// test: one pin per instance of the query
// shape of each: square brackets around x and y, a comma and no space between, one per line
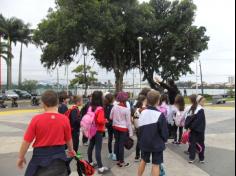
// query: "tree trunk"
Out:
[119,80]
[20,66]
[0,66]
[9,69]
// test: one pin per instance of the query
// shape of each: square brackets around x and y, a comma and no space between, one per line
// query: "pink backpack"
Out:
[179,119]
[88,123]
[163,109]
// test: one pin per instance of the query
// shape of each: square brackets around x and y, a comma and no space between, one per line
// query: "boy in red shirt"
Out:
[49,133]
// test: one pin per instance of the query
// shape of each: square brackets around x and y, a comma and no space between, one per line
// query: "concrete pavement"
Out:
[220,141]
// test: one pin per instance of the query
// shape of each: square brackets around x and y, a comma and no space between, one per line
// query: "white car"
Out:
[10,94]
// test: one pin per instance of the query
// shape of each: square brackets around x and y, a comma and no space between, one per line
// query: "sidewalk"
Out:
[174,166]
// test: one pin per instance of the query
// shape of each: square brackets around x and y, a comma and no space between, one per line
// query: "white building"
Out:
[231,80]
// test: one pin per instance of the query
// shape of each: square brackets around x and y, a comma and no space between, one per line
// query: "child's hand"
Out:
[71,153]
[21,162]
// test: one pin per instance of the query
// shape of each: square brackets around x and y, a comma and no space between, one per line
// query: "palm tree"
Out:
[10,29]
[25,39]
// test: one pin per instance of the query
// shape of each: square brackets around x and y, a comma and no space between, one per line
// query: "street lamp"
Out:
[140,39]
[196,59]
[85,72]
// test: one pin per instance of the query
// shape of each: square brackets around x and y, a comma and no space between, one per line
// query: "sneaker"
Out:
[86,144]
[123,165]
[174,142]
[110,156]
[186,152]
[103,170]
[93,164]
[202,162]
[137,159]
[191,161]
[114,158]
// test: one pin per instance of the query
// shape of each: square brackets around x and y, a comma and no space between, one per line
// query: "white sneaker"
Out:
[114,158]
[103,170]
[86,144]
[110,156]
[202,162]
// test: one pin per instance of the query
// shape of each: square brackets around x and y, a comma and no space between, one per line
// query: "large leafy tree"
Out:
[171,41]
[110,29]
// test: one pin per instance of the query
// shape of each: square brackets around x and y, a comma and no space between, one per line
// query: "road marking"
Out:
[220,108]
[20,111]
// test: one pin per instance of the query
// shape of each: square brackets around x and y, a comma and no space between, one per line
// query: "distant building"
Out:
[231,80]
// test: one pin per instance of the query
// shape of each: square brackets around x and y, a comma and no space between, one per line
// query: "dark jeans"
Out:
[138,150]
[75,138]
[96,142]
[177,129]
[171,131]
[110,138]
[194,139]
[121,138]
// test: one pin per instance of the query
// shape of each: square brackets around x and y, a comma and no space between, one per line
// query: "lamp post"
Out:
[85,72]
[197,57]
[140,39]
[202,86]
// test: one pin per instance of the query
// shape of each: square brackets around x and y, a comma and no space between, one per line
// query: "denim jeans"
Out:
[96,142]
[110,138]
[121,138]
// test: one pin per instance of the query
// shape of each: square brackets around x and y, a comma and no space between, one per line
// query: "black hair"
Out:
[97,100]
[62,96]
[140,101]
[109,98]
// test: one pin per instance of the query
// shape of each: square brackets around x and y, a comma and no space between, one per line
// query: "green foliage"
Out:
[29,85]
[231,93]
[4,51]
[80,78]
[110,29]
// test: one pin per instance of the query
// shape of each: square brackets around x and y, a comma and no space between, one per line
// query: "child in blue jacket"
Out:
[153,134]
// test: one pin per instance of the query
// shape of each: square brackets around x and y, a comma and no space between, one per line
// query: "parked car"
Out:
[22,94]
[218,99]
[10,94]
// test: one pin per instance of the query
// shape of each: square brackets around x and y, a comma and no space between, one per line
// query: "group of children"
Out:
[58,129]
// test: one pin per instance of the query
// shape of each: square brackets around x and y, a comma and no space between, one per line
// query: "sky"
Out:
[218,62]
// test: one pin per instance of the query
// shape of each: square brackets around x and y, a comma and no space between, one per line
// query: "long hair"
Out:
[179,100]
[193,100]
[164,98]
[97,100]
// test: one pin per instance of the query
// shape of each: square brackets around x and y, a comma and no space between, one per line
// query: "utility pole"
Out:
[57,80]
[85,72]
[133,83]
[140,39]
[197,75]
[200,65]
[67,78]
